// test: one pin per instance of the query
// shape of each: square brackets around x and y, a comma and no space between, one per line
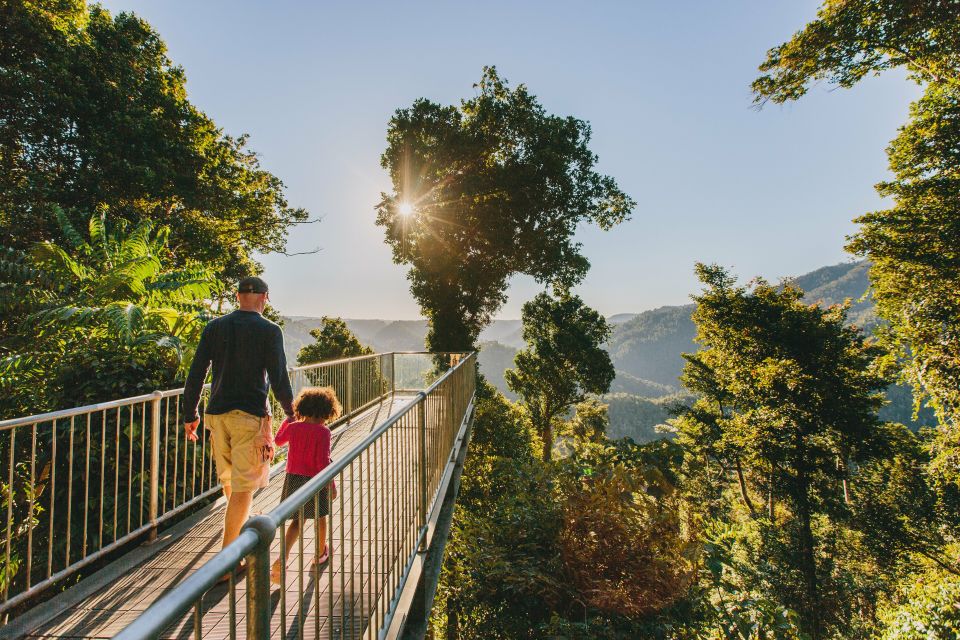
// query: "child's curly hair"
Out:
[317,404]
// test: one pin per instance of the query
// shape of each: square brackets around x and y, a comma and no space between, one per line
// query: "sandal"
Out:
[276,573]
[322,560]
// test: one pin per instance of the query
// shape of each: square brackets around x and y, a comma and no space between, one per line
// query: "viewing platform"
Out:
[396,455]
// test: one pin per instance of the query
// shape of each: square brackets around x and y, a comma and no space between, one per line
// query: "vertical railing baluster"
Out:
[129,467]
[33,491]
[10,498]
[349,393]
[69,496]
[53,496]
[422,459]
[86,491]
[143,460]
[259,610]
[154,463]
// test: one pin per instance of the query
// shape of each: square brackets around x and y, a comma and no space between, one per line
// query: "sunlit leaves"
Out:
[112,289]
[851,39]
[332,339]
[498,187]
[95,115]
[563,362]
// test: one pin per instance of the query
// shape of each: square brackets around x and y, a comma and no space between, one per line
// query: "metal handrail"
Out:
[413,446]
[101,475]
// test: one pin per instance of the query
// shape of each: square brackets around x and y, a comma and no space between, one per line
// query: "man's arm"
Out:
[277,372]
[194,384]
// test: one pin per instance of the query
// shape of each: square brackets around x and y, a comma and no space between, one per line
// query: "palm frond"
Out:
[98,235]
[168,317]
[137,243]
[127,280]
[125,318]
[15,269]
[73,237]
[55,261]
[63,316]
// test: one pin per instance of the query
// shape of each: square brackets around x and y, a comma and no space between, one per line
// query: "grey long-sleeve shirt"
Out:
[245,350]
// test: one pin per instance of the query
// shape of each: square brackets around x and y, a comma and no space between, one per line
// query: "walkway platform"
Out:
[104,603]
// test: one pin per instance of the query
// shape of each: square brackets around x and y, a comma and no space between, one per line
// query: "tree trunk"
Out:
[743,490]
[808,563]
[547,433]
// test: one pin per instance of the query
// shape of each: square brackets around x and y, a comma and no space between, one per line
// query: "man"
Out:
[246,350]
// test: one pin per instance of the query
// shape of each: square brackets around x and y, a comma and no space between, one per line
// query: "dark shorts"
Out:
[292,482]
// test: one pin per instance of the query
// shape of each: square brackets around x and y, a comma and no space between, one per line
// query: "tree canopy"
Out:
[916,264]
[851,39]
[788,406]
[485,190]
[915,270]
[563,362]
[94,114]
[332,340]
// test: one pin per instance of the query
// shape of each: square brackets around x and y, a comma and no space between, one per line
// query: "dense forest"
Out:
[778,499]
[646,350]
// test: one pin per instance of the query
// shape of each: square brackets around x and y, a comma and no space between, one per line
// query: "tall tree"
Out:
[915,262]
[793,390]
[563,362]
[915,268]
[93,113]
[484,191]
[332,339]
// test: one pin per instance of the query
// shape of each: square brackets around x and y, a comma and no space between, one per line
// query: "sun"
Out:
[405,209]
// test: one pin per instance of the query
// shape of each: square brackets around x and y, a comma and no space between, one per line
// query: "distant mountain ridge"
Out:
[645,347]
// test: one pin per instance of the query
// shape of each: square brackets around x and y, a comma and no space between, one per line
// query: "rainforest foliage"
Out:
[786,505]
[795,511]
[125,212]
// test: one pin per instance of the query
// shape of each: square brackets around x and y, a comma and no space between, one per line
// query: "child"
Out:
[307,455]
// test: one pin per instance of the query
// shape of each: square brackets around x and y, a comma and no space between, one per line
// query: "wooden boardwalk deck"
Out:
[106,602]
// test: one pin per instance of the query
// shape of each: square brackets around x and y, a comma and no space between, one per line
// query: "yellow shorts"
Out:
[239,463]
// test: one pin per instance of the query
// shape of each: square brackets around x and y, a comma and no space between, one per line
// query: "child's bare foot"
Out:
[276,572]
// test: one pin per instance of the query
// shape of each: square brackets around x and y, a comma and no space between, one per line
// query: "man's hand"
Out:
[191,429]
[264,440]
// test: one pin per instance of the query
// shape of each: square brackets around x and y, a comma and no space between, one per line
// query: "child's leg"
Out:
[293,532]
[290,539]
[322,533]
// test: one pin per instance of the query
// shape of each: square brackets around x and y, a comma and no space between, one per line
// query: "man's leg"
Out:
[238,509]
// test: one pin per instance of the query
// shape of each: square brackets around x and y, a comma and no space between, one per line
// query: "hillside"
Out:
[645,348]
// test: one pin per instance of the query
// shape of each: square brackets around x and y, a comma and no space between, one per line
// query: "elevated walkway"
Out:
[393,462]
[105,603]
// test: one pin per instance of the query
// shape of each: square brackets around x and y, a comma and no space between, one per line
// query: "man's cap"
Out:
[252,284]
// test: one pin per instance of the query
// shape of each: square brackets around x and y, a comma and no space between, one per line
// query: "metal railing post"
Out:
[422,428]
[393,372]
[154,463]
[349,393]
[259,609]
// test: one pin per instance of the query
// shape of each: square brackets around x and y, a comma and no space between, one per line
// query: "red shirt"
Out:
[309,450]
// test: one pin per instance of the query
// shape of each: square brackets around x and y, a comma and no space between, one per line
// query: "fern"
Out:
[74,239]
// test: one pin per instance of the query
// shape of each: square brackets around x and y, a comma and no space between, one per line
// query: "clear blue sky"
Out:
[665,86]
